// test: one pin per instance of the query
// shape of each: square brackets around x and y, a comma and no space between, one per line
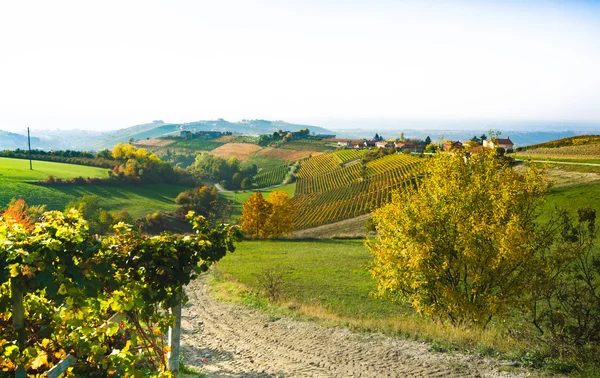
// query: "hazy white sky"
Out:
[111,64]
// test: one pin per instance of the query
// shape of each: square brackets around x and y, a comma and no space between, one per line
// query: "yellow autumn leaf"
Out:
[40,361]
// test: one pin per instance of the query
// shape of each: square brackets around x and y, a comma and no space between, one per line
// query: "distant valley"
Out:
[85,140]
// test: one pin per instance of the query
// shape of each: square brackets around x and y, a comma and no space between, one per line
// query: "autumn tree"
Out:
[280,221]
[461,246]
[268,218]
[18,212]
[255,214]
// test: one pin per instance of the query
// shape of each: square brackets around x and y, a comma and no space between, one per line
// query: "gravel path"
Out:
[228,340]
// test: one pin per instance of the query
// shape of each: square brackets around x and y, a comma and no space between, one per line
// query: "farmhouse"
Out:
[344,143]
[450,145]
[505,143]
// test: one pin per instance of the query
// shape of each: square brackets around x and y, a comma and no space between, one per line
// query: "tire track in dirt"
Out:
[228,340]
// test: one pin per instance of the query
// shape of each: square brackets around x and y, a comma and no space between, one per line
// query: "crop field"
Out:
[263,162]
[345,156]
[585,151]
[154,142]
[236,139]
[241,151]
[198,144]
[307,145]
[271,176]
[285,155]
[327,192]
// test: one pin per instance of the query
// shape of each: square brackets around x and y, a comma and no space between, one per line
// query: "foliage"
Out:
[100,221]
[280,221]
[72,282]
[565,300]
[100,159]
[269,218]
[219,169]
[204,200]
[255,215]
[460,247]
[137,165]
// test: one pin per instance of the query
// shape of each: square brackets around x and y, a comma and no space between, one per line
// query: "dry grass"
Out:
[241,151]
[287,155]
[154,142]
[349,228]
[225,138]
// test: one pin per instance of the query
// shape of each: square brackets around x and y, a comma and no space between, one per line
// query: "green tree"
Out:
[461,246]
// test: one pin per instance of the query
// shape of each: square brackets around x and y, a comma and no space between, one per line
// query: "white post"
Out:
[174,339]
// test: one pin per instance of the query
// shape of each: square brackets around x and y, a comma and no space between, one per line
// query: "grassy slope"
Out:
[18,169]
[573,197]
[329,273]
[16,181]
[137,200]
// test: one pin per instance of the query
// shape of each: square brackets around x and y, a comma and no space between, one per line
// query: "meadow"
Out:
[17,181]
[18,169]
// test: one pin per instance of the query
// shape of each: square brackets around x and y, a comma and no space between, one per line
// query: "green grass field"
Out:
[573,197]
[18,170]
[197,144]
[328,273]
[136,200]
[240,197]
[17,181]
[263,162]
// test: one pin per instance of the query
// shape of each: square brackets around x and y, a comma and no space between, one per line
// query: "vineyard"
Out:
[271,176]
[328,191]
[197,144]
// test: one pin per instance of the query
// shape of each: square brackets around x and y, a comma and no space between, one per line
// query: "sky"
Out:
[104,65]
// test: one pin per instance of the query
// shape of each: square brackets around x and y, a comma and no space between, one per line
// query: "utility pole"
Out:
[29,144]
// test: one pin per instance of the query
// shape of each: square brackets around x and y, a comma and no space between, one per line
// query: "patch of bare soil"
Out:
[228,340]
[241,151]
[154,142]
[349,228]
[287,155]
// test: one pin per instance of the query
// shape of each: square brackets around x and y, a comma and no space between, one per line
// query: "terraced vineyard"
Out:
[271,176]
[327,191]
[345,156]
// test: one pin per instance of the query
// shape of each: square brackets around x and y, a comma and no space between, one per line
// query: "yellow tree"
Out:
[255,215]
[462,245]
[280,221]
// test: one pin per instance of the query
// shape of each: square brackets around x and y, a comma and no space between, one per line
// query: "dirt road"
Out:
[228,340]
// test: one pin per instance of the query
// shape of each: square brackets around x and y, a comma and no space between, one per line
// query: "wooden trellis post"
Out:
[175,338]
[18,320]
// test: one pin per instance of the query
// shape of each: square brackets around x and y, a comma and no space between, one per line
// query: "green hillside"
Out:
[18,169]
[17,181]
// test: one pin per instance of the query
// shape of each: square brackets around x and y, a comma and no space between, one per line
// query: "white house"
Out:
[505,143]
